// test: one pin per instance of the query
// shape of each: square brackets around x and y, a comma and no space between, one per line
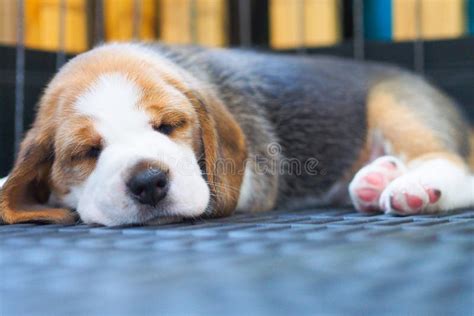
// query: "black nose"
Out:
[148,186]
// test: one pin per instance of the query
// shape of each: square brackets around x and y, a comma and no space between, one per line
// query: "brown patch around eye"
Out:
[78,141]
[79,153]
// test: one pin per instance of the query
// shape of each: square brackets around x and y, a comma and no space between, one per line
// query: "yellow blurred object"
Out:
[43,25]
[285,29]
[439,19]
[175,21]
[322,22]
[120,16]
[211,22]
[178,26]
[321,27]
[8,15]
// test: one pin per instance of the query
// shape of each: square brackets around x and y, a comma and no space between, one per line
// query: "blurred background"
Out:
[432,37]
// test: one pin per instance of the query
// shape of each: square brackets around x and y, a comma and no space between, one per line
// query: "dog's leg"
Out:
[433,183]
[421,127]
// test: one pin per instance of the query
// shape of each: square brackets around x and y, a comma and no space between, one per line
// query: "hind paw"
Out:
[407,196]
[369,183]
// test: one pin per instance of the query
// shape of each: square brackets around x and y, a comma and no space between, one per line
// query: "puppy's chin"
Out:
[149,218]
[111,212]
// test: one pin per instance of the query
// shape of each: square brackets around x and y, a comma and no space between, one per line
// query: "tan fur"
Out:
[19,201]
[47,156]
[225,152]
[406,134]
[396,122]
[397,125]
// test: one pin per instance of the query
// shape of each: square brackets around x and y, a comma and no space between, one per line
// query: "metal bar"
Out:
[359,38]
[61,55]
[418,44]
[193,25]
[99,22]
[137,18]
[19,76]
[245,23]
[301,27]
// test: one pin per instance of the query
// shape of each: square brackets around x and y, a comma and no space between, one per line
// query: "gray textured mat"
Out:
[305,262]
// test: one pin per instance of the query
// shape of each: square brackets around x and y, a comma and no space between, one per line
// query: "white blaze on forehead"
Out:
[112,101]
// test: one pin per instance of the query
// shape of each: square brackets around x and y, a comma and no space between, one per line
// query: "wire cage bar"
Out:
[358,17]
[19,76]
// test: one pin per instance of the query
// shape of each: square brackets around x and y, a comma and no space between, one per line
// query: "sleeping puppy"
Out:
[128,133]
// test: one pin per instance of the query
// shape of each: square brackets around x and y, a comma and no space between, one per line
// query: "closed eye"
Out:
[93,152]
[166,129]
[89,153]
[169,127]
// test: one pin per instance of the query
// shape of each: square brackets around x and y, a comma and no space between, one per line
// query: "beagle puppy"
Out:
[130,133]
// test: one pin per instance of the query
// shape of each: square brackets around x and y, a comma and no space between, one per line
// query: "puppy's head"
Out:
[124,136]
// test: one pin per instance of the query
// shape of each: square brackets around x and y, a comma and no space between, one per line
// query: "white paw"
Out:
[370,181]
[407,195]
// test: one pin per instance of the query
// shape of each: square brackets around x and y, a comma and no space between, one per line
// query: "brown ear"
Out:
[225,153]
[24,194]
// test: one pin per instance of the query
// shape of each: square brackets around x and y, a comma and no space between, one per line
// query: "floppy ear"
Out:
[224,149]
[24,194]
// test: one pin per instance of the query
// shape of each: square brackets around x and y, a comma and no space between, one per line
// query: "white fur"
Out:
[112,103]
[455,183]
[2,181]
[246,190]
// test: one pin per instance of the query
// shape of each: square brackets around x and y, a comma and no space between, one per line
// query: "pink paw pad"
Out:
[409,203]
[400,205]
[413,201]
[367,195]
[369,190]
[371,181]
[396,205]
[375,179]
[434,195]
